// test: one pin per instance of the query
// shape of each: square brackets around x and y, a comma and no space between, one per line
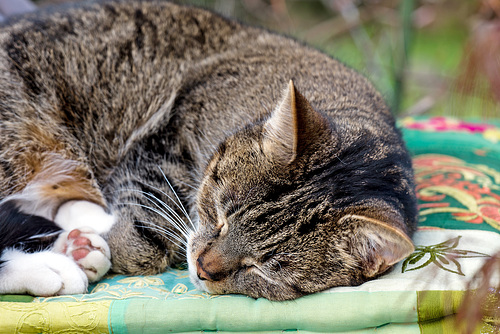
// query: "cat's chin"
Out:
[199,284]
[193,276]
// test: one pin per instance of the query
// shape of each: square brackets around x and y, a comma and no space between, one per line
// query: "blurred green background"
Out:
[428,57]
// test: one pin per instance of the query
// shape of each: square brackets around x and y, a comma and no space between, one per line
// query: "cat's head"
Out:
[277,215]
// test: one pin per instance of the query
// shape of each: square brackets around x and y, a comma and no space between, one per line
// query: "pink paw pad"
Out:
[88,250]
[81,244]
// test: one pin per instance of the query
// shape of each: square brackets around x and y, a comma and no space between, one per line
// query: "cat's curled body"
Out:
[291,193]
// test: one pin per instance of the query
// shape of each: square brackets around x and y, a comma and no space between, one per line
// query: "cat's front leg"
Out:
[79,254]
[44,273]
[84,222]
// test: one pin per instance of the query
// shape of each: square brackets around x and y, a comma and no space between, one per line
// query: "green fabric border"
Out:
[16,298]
[325,312]
[386,329]
[437,309]
[438,304]
[460,144]
[117,311]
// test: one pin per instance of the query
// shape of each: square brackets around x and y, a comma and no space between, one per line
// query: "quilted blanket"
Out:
[457,169]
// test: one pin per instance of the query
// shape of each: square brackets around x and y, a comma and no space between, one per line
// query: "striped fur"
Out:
[183,127]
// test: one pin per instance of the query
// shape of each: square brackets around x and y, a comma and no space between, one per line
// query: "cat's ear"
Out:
[293,126]
[379,244]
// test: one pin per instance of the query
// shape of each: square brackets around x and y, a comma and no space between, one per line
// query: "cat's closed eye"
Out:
[298,202]
[269,165]
[231,209]
[267,256]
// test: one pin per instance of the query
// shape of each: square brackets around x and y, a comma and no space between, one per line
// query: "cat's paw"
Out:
[88,249]
[40,274]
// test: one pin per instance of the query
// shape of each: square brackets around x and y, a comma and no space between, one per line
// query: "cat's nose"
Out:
[202,274]
[209,269]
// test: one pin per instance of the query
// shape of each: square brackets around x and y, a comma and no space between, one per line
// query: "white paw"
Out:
[89,250]
[77,214]
[41,274]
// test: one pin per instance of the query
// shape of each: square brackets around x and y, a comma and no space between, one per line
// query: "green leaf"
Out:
[458,267]
[442,259]
[444,255]
[431,259]
[462,253]
[412,259]
[448,244]
[416,257]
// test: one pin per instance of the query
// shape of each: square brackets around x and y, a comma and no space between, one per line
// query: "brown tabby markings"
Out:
[264,247]
[293,195]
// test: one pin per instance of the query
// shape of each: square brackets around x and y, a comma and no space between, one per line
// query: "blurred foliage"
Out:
[425,56]
[428,57]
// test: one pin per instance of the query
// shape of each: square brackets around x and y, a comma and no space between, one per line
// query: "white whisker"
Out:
[179,201]
[180,207]
[175,219]
[182,225]
[166,217]
[165,233]
[188,185]
[162,229]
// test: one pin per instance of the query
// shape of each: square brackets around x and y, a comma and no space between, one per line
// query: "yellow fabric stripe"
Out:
[434,305]
[74,317]
[437,311]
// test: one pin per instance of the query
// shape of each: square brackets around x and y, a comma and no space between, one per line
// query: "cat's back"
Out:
[110,21]
[104,43]
[102,69]
[107,46]
[115,70]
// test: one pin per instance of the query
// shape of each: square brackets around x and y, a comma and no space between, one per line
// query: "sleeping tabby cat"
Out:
[288,163]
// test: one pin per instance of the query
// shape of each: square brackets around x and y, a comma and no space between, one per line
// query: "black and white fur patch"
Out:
[36,254]
[25,232]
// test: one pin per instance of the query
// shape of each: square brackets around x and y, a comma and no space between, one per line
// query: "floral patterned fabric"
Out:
[469,192]
[489,131]
[457,171]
